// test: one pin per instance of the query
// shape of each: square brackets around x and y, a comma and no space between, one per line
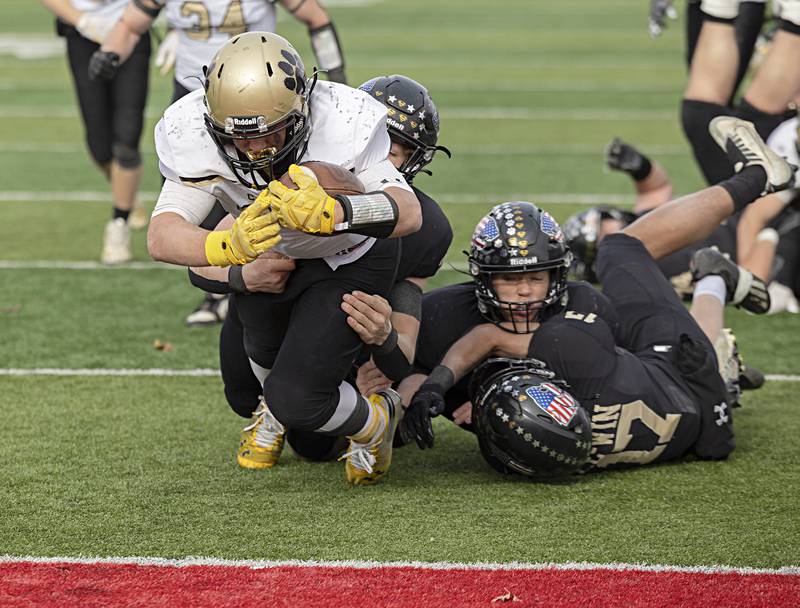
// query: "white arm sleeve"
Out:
[191,204]
[382,175]
[372,164]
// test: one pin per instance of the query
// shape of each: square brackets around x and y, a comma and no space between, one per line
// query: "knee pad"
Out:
[295,406]
[695,117]
[764,122]
[720,10]
[126,157]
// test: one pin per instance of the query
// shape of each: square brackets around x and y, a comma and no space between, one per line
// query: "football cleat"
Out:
[730,364]
[742,289]
[261,441]
[745,148]
[367,462]
[623,157]
[116,242]
[211,310]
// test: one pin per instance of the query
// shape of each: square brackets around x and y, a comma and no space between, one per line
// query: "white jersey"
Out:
[204,26]
[348,128]
[113,9]
[784,140]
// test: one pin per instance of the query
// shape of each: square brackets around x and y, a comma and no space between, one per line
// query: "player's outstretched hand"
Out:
[416,423]
[308,208]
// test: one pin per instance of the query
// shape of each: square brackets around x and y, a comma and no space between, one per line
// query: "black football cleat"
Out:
[743,290]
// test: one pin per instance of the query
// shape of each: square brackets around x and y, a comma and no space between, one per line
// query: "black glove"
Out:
[660,10]
[427,403]
[103,65]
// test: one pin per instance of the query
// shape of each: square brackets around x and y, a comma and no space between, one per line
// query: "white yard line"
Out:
[365,565]
[51,371]
[546,198]
[533,114]
[466,150]
[83,265]
[203,372]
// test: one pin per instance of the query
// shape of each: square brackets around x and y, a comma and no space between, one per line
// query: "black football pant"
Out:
[112,111]
[302,335]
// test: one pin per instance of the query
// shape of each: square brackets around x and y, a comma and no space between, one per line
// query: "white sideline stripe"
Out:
[465,198]
[468,150]
[365,565]
[47,371]
[83,265]
[544,114]
[196,372]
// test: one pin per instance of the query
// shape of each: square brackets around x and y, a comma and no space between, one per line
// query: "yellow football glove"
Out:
[255,231]
[307,209]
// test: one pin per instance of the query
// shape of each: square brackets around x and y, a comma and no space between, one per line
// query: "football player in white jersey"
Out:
[198,29]
[256,116]
[112,112]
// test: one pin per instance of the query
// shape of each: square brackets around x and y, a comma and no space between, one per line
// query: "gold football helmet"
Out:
[256,89]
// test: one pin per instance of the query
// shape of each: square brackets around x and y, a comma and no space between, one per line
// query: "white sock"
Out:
[711,285]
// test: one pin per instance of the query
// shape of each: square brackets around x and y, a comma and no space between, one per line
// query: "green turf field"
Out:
[529,92]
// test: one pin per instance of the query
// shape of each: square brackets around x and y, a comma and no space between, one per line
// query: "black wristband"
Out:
[388,344]
[236,280]
[440,380]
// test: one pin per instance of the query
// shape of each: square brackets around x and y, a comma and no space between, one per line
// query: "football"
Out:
[333,178]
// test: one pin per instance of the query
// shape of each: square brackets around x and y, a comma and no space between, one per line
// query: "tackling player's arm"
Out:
[118,45]
[389,213]
[461,358]
[324,38]
[390,328]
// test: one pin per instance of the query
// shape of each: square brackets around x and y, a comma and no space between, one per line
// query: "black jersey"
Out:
[450,312]
[641,409]
[422,253]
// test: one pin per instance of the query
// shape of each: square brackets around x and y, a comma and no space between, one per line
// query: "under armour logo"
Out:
[720,410]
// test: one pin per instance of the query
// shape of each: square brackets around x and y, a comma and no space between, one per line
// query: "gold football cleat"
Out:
[368,462]
[261,441]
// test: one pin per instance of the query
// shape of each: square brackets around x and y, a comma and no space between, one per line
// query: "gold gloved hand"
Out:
[308,209]
[255,231]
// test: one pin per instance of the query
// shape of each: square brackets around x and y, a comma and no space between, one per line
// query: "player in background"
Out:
[196,31]
[112,111]
[764,232]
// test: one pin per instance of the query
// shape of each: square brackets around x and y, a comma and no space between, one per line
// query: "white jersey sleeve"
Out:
[112,9]
[204,26]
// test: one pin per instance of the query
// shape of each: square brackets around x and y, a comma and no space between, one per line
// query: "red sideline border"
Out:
[88,581]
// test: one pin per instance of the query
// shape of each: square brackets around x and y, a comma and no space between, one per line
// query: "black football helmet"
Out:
[526,420]
[255,86]
[517,237]
[412,119]
[582,232]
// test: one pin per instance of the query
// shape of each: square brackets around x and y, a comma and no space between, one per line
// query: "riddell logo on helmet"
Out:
[395,124]
[251,121]
[523,261]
